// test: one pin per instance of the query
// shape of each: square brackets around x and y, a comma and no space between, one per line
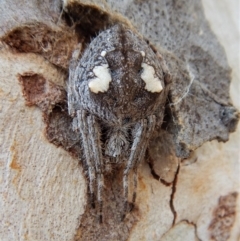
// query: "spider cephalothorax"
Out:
[119,84]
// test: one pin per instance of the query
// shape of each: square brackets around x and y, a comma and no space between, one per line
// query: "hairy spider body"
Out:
[118,85]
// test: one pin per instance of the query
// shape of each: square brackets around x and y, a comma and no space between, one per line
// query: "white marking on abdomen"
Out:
[153,84]
[101,82]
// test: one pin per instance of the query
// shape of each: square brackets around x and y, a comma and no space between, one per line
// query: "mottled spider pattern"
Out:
[116,86]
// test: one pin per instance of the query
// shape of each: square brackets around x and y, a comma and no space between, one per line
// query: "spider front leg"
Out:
[90,133]
[141,135]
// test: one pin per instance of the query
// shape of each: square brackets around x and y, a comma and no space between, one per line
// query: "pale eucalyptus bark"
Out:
[43,193]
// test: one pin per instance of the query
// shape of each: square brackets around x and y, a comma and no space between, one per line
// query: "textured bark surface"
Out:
[43,191]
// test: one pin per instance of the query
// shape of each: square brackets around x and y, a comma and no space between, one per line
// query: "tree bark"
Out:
[43,192]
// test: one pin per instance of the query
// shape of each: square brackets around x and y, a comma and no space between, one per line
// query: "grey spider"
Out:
[118,85]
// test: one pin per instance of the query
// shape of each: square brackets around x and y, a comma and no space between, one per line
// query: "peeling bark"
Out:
[183,193]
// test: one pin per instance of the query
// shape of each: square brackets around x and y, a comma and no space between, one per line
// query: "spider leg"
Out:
[73,102]
[140,129]
[135,182]
[95,135]
[151,125]
[143,131]
[84,131]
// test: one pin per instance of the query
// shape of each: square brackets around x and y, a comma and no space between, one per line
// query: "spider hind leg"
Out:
[90,133]
[141,135]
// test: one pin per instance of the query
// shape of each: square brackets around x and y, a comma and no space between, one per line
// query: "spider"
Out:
[117,86]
